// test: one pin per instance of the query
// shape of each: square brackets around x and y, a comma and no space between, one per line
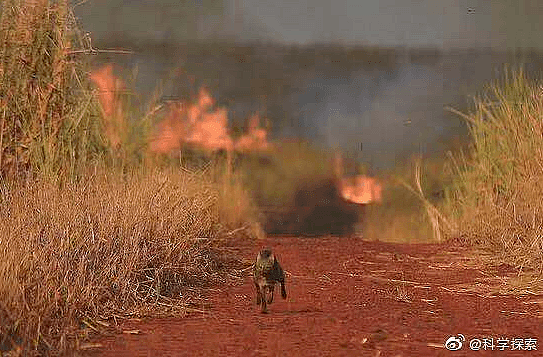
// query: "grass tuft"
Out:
[49,122]
[496,201]
[110,244]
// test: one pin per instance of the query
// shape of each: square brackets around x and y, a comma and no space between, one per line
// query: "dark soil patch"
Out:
[317,210]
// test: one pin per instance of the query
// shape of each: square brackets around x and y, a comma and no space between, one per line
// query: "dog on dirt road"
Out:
[266,273]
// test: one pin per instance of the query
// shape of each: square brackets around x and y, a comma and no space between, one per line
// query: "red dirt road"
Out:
[348,297]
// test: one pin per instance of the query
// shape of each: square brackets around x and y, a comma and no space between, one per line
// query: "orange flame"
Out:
[199,125]
[255,139]
[109,88]
[211,132]
[359,189]
[171,130]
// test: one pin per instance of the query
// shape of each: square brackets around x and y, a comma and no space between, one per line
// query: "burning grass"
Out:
[201,125]
[110,244]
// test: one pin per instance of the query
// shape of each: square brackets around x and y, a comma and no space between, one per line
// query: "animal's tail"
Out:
[283,290]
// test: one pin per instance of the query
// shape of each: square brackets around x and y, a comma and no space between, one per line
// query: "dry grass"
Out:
[496,201]
[111,244]
[49,119]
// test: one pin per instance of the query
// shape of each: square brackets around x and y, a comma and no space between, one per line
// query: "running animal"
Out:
[266,273]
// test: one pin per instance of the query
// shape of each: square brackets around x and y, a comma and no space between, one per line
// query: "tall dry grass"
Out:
[110,244]
[91,226]
[496,198]
[49,119]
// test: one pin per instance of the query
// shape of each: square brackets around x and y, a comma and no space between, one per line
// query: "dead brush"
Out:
[49,118]
[110,245]
[496,199]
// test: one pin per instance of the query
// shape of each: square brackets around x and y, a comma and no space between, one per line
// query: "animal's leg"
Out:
[271,291]
[258,294]
[263,300]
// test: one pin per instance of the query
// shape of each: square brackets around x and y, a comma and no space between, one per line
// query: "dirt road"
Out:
[348,297]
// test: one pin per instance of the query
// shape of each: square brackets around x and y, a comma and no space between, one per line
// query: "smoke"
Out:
[380,116]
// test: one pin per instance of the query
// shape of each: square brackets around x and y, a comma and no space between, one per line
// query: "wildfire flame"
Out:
[109,88]
[255,139]
[360,189]
[201,125]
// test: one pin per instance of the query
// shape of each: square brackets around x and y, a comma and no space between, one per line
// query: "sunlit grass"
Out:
[496,201]
[50,120]
[109,244]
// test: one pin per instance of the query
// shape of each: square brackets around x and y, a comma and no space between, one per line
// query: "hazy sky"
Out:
[441,23]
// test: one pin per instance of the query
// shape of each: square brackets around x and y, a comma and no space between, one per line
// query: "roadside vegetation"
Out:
[495,200]
[484,192]
[92,226]
[49,118]
[111,244]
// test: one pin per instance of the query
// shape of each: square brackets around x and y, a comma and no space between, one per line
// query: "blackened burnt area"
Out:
[318,210]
